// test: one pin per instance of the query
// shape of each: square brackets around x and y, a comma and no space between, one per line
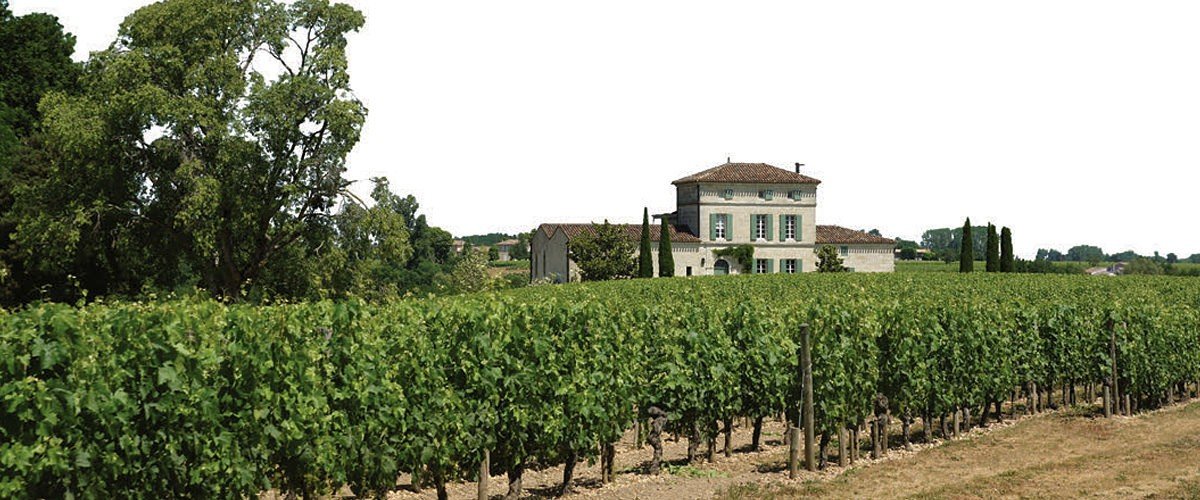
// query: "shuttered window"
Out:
[718,227]
[760,227]
[787,228]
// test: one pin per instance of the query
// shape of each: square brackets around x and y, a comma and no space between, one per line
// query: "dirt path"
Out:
[1153,455]
[1056,455]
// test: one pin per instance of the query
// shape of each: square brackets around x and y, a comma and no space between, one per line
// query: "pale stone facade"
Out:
[769,208]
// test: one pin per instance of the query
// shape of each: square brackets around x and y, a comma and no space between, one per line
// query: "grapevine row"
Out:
[200,399]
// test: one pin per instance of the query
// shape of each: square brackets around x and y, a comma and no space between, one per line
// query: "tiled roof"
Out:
[507,243]
[633,231]
[839,234]
[751,173]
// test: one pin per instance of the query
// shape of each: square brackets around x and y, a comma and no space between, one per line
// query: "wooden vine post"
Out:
[1112,354]
[809,428]
[793,451]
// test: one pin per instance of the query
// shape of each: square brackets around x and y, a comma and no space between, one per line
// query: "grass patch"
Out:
[1184,489]
[755,491]
[694,472]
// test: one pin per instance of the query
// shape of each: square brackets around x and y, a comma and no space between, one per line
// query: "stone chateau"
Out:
[770,208]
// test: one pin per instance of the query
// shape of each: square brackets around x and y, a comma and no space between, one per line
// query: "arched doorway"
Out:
[721,267]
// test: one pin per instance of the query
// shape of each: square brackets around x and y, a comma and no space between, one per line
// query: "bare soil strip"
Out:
[1057,455]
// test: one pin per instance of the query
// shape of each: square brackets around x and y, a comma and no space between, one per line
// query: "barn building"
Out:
[770,208]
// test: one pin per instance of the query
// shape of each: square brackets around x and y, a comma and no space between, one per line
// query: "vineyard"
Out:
[202,399]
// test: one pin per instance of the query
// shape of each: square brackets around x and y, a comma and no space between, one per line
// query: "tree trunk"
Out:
[610,456]
[823,450]
[415,479]
[842,448]
[927,426]
[729,437]
[883,434]
[693,443]
[854,444]
[875,438]
[756,437]
[658,419]
[514,482]
[439,482]
[712,442]
[906,429]
[568,473]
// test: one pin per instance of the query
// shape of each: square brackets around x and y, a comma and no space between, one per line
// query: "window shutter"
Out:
[770,266]
[712,227]
[799,265]
[728,227]
[799,225]
[770,226]
[782,265]
[782,228]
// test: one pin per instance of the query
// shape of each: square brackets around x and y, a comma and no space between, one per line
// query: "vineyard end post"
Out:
[1112,354]
[809,427]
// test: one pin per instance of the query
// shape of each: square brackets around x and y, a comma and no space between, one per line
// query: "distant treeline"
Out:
[946,243]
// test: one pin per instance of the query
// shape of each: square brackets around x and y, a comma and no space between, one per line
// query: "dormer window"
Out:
[794,194]
[727,194]
[766,194]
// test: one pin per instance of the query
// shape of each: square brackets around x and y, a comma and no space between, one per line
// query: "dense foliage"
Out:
[828,260]
[966,255]
[666,257]
[205,148]
[993,249]
[604,253]
[196,398]
[645,259]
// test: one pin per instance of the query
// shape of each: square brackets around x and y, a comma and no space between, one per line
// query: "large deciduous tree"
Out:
[35,58]
[605,253]
[209,139]
[966,254]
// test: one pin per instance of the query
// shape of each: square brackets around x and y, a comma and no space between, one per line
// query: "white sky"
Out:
[1070,121]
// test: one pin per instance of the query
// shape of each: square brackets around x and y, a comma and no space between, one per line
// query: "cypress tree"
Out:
[993,250]
[1006,251]
[645,260]
[966,254]
[666,262]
